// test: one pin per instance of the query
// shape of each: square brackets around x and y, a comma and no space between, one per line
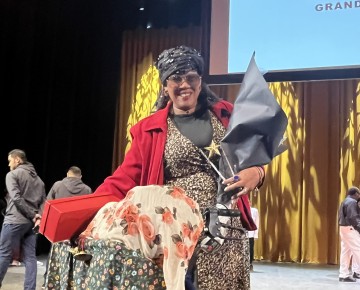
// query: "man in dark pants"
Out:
[23,212]
[349,228]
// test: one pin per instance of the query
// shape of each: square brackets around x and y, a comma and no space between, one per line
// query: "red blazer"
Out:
[143,163]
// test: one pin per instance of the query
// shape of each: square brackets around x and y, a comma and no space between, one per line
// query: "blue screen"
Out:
[293,35]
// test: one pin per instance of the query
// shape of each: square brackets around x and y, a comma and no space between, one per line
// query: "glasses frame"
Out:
[184,78]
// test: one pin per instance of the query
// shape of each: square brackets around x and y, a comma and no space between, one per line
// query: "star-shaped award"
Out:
[213,149]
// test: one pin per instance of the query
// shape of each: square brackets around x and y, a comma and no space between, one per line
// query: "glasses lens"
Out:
[190,78]
[193,78]
[176,78]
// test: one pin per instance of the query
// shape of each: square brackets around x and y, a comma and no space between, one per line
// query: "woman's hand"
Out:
[246,180]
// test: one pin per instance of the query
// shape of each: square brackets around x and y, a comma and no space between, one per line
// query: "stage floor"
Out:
[278,276]
[274,276]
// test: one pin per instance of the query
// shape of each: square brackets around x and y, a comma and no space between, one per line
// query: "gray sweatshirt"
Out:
[69,186]
[26,194]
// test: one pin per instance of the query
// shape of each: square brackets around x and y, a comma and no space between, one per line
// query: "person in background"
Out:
[16,252]
[71,185]
[354,267]
[349,228]
[166,148]
[253,235]
[16,259]
[23,212]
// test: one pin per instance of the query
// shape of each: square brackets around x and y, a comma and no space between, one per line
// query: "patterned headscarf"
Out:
[180,59]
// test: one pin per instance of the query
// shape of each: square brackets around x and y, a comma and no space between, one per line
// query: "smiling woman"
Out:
[183,91]
[167,148]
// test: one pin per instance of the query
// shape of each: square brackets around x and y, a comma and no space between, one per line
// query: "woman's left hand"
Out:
[246,180]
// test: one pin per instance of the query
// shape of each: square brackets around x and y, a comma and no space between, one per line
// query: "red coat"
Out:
[143,164]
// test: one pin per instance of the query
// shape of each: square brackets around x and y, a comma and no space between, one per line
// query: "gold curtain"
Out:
[304,186]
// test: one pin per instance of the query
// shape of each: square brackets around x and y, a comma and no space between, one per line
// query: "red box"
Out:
[65,218]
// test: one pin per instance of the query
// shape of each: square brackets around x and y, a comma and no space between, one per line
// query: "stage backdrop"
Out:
[298,204]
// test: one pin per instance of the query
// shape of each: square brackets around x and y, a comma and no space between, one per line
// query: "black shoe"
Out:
[347,279]
[251,268]
[356,275]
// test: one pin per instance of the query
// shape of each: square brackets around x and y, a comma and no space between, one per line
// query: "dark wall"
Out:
[60,77]
[59,80]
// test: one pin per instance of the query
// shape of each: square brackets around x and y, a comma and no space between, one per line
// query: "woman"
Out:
[166,150]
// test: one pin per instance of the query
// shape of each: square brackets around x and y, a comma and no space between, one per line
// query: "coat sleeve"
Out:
[128,174]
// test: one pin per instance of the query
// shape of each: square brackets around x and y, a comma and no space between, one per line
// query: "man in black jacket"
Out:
[349,222]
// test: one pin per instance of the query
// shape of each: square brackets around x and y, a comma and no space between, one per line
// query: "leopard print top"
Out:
[228,268]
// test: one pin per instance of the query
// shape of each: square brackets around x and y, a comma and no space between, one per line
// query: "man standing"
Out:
[23,212]
[71,185]
[253,235]
[349,222]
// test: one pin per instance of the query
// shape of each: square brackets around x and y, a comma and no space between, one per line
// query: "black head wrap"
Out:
[180,59]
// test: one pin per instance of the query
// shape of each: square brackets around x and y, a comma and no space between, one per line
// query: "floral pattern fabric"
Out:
[113,266]
[158,221]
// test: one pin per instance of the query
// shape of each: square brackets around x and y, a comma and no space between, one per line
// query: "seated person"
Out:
[126,237]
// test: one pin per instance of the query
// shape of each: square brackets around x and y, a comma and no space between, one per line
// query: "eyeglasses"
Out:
[189,78]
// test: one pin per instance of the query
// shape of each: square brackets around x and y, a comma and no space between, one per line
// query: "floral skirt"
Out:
[113,266]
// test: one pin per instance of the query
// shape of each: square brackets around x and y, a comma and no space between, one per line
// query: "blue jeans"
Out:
[13,234]
[190,275]
[189,281]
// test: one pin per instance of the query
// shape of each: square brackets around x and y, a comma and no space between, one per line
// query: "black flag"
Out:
[257,125]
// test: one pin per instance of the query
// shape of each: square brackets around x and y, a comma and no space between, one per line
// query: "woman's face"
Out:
[183,91]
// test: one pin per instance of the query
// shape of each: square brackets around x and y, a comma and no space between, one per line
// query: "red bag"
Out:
[66,218]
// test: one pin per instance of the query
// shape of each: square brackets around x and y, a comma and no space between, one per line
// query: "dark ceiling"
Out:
[159,13]
[60,69]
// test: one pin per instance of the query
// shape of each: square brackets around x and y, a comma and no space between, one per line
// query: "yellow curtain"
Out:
[304,186]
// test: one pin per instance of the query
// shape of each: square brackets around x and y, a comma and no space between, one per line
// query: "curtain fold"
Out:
[299,200]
